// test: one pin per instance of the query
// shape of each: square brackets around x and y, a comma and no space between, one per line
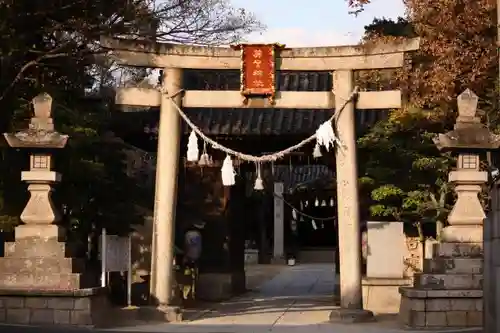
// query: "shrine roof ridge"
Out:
[142,46]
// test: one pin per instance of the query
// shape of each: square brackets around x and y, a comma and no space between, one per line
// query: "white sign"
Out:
[115,254]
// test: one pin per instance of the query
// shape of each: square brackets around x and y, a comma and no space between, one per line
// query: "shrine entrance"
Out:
[309,203]
[258,65]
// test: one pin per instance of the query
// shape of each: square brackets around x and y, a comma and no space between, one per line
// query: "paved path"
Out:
[298,299]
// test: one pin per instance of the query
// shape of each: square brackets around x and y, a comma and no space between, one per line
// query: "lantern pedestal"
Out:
[40,209]
[449,292]
[42,278]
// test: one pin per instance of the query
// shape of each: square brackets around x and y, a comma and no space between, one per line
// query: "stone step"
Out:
[454,265]
[37,247]
[454,250]
[448,281]
[43,265]
[441,313]
[412,292]
[42,281]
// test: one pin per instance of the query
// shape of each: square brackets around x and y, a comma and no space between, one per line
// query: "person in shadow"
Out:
[190,259]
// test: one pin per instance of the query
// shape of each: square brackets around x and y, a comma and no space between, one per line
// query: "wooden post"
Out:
[348,206]
[169,134]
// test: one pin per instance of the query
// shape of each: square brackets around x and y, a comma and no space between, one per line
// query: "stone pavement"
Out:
[298,299]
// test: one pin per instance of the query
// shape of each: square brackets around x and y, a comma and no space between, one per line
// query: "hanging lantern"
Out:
[294,214]
[228,173]
[306,203]
[192,147]
[316,202]
[259,184]
[331,202]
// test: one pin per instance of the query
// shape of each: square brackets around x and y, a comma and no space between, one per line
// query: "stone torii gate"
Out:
[341,61]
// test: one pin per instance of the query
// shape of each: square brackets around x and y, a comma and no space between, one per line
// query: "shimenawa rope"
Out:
[264,158]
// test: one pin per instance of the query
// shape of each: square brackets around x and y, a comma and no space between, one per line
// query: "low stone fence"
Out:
[83,308]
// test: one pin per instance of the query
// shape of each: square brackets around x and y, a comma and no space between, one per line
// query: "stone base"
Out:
[40,258]
[80,308]
[169,314]
[216,287]
[382,295]
[351,316]
[45,273]
[448,294]
[435,309]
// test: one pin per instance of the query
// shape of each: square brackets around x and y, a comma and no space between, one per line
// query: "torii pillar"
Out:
[167,168]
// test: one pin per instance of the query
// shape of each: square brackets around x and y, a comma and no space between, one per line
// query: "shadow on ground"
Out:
[298,299]
[379,327]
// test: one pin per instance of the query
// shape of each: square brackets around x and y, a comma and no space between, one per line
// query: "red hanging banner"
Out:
[258,70]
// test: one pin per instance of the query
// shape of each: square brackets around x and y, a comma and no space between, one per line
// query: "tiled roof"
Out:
[295,176]
[254,121]
[301,175]
[257,121]
[265,121]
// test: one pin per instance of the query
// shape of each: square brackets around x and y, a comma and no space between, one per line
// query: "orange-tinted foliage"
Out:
[458,50]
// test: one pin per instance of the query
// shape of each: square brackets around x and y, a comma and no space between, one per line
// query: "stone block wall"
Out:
[84,308]
[441,312]
[450,291]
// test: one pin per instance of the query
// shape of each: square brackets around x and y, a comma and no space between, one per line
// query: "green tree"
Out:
[406,176]
[404,173]
[54,47]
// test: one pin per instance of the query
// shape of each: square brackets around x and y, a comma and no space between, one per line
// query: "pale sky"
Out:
[314,22]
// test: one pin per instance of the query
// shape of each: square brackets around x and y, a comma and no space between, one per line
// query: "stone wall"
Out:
[86,308]
[492,264]
[439,309]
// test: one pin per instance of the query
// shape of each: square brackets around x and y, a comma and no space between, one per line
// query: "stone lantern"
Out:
[40,139]
[449,292]
[469,139]
[41,280]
